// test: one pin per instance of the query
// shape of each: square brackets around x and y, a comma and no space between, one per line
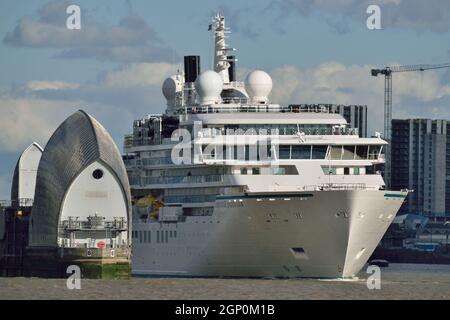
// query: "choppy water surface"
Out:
[398,281]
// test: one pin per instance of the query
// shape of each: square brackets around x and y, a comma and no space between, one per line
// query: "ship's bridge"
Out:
[268,122]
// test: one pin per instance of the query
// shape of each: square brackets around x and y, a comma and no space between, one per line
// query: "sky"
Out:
[317,51]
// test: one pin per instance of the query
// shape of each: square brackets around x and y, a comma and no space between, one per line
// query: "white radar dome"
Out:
[258,85]
[209,85]
[171,86]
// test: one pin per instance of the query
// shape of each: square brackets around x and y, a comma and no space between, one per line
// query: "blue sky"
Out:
[316,51]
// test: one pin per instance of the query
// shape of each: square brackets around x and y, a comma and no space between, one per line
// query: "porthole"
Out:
[97,174]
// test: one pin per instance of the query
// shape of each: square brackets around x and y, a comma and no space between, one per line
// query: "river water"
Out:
[398,281]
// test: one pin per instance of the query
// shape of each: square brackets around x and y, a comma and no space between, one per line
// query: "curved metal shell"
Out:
[15,196]
[79,141]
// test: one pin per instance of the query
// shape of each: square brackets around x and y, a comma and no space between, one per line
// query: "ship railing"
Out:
[244,105]
[94,223]
[132,141]
[147,162]
[182,179]
[212,132]
[190,199]
[335,186]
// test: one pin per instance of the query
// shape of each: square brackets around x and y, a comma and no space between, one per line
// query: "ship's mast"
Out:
[221,61]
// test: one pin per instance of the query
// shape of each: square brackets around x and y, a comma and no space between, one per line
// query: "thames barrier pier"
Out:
[70,205]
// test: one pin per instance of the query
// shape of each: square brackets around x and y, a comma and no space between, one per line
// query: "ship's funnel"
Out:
[232,68]
[191,68]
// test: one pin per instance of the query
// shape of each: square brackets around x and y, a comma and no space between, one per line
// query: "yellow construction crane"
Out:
[387,72]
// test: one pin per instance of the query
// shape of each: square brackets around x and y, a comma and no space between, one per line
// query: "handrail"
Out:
[243,105]
[335,186]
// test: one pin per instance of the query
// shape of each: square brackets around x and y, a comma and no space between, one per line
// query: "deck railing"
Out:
[335,186]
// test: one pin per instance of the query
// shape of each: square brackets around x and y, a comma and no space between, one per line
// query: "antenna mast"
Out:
[221,61]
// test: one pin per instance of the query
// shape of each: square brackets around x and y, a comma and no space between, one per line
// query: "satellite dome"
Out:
[169,88]
[209,85]
[258,85]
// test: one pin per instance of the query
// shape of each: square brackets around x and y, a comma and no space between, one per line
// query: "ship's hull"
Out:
[327,234]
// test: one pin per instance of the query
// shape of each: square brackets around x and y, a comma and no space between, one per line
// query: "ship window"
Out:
[175,234]
[97,174]
[243,170]
[301,152]
[239,152]
[374,151]
[319,152]
[149,236]
[269,151]
[346,171]
[329,170]
[167,236]
[361,152]
[299,253]
[140,236]
[349,153]
[256,171]
[356,171]
[336,153]
[284,151]
[145,236]
[278,171]
[157,236]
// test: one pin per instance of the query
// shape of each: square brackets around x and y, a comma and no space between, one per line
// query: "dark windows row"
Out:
[162,236]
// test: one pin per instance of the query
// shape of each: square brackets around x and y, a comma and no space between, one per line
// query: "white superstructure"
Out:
[227,183]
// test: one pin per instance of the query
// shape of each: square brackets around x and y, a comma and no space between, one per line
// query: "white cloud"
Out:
[134,90]
[50,85]
[417,15]
[33,112]
[131,40]
[26,120]
[139,75]
[415,94]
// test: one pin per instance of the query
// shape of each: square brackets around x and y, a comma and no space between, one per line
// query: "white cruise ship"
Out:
[227,183]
